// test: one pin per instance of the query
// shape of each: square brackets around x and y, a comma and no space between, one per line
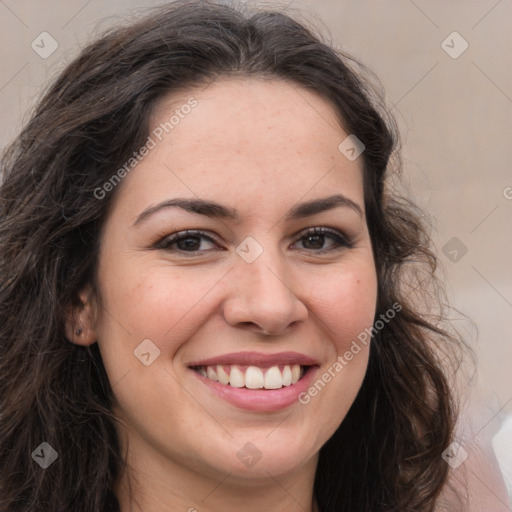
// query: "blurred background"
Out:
[447,72]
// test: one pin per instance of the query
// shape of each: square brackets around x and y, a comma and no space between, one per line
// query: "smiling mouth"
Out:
[253,377]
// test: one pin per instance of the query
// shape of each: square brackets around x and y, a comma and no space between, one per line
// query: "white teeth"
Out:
[273,378]
[254,377]
[236,377]
[222,375]
[210,373]
[287,376]
[295,373]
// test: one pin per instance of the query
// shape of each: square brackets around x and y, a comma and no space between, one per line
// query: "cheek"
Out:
[157,301]
[346,304]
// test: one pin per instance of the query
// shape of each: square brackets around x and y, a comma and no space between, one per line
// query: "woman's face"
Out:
[248,294]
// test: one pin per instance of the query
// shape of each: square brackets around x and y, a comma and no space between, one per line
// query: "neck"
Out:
[156,495]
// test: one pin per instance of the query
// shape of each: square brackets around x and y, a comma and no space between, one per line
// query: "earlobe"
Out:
[81,322]
[79,334]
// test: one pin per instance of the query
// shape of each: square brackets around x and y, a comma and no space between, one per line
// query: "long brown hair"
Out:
[386,454]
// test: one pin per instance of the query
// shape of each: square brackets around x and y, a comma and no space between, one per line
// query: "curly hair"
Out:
[386,454]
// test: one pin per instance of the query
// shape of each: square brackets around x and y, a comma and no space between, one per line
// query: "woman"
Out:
[210,298]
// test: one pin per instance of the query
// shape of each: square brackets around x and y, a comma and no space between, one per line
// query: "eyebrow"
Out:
[216,210]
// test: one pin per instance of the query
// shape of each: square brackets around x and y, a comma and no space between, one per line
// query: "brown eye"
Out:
[315,239]
[185,241]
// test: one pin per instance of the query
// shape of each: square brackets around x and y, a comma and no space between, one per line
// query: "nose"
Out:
[262,298]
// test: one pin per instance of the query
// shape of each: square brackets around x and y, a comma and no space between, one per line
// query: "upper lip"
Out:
[257,359]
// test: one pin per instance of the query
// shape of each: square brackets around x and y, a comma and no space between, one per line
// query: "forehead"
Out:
[263,139]
[237,114]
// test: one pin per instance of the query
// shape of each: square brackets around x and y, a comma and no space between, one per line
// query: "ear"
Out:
[81,321]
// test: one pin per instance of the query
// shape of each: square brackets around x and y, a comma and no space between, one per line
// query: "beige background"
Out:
[456,121]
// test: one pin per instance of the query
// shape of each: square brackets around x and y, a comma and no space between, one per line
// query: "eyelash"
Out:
[341,240]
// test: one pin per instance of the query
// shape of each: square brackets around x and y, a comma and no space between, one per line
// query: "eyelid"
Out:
[340,238]
[167,240]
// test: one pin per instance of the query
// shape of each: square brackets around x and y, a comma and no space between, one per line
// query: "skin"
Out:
[260,147]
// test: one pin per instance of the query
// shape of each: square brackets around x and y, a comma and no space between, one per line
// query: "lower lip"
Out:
[258,399]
